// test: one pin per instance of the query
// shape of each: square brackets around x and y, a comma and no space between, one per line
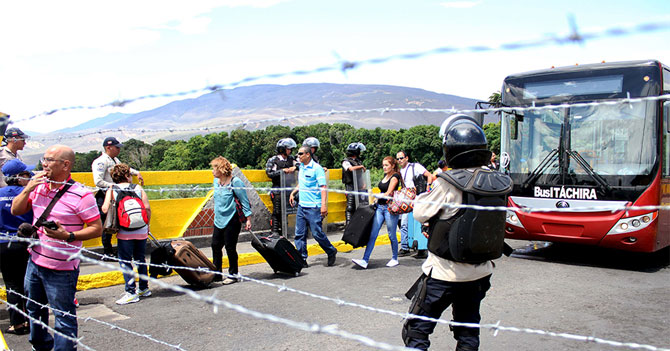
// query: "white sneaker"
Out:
[144,293]
[392,263]
[128,298]
[361,263]
[229,281]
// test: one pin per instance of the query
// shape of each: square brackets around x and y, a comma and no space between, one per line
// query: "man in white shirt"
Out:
[408,171]
[103,180]
[16,141]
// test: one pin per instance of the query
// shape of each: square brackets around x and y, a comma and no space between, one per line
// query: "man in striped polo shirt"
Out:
[50,277]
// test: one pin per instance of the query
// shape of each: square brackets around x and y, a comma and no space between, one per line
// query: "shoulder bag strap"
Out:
[53,202]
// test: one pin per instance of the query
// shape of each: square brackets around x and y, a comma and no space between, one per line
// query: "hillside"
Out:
[258,102]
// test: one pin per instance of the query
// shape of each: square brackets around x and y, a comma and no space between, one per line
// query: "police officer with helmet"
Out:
[461,242]
[281,162]
[314,144]
[351,163]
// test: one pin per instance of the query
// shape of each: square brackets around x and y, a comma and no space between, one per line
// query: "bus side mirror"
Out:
[479,118]
[514,128]
[666,115]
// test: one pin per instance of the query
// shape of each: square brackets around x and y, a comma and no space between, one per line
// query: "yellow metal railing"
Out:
[171,217]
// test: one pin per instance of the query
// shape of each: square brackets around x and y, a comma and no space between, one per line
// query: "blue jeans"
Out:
[404,242]
[311,216]
[55,288]
[130,250]
[383,215]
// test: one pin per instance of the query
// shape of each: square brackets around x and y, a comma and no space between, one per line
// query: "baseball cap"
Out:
[15,133]
[111,141]
[14,167]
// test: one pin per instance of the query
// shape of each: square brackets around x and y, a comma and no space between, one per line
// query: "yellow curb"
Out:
[107,279]
[3,342]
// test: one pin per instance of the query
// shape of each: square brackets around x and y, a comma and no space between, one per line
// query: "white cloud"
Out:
[460,4]
[44,27]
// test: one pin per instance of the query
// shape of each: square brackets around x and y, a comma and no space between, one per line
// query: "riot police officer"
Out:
[314,144]
[350,164]
[461,242]
[281,162]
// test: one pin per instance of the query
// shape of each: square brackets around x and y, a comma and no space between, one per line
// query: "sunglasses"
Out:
[46,160]
[300,153]
[401,158]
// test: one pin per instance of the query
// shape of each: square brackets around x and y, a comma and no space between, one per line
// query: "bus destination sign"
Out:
[562,192]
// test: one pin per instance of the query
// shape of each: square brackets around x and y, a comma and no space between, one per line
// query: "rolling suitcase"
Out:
[279,253]
[160,255]
[415,238]
[187,255]
[357,232]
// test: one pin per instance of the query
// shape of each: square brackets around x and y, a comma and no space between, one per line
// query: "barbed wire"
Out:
[495,328]
[212,300]
[86,319]
[381,111]
[447,205]
[345,65]
[77,341]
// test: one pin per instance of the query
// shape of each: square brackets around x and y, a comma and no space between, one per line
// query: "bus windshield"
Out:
[591,145]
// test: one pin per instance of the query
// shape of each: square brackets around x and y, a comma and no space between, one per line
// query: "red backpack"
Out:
[130,208]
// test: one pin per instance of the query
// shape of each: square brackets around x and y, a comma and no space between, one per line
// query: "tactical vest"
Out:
[348,176]
[281,164]
[472,236]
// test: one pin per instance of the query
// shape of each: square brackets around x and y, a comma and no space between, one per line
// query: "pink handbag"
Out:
[403,201]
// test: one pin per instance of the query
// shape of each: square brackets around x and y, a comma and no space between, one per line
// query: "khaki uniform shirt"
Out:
[437,267]
[5,155]
[101,168]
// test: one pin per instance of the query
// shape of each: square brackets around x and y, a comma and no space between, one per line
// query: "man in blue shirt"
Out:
[14,255]
[312,206]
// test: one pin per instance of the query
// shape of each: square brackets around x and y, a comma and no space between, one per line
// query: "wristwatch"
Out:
[71,238]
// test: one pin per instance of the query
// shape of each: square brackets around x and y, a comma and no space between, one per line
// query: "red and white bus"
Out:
[589,155]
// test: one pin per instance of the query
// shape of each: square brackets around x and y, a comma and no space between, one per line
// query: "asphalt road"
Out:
[563,289]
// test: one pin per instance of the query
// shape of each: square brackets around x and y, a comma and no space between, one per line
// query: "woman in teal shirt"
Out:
[227,222]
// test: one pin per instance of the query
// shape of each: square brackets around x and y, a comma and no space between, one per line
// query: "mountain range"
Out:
[253,104]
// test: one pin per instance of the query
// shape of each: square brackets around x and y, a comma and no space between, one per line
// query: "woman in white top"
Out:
[131,242]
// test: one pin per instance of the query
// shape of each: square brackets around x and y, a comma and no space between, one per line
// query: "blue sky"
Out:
[57,54]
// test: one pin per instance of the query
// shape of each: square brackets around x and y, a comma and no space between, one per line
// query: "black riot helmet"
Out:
[464,142]
[286,143]
[311,142]
[355,149]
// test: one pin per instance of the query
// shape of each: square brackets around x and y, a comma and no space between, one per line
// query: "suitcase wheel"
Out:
[276,271]
[297,274]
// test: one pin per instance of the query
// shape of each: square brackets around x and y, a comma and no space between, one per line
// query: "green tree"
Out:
[157,153]
[422,144]
[84,160]
[492,132]
[176,157]
[136,154]
[495,97]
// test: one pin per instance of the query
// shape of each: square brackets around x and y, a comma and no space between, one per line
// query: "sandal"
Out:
[22,330]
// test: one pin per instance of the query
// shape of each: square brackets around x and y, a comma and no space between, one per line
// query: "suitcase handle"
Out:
[254,238]
[154,241]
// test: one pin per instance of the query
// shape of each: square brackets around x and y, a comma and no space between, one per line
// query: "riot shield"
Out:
[287,182]
[362,184]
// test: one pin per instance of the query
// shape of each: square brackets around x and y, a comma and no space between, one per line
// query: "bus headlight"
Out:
[631,224]
[513,219]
